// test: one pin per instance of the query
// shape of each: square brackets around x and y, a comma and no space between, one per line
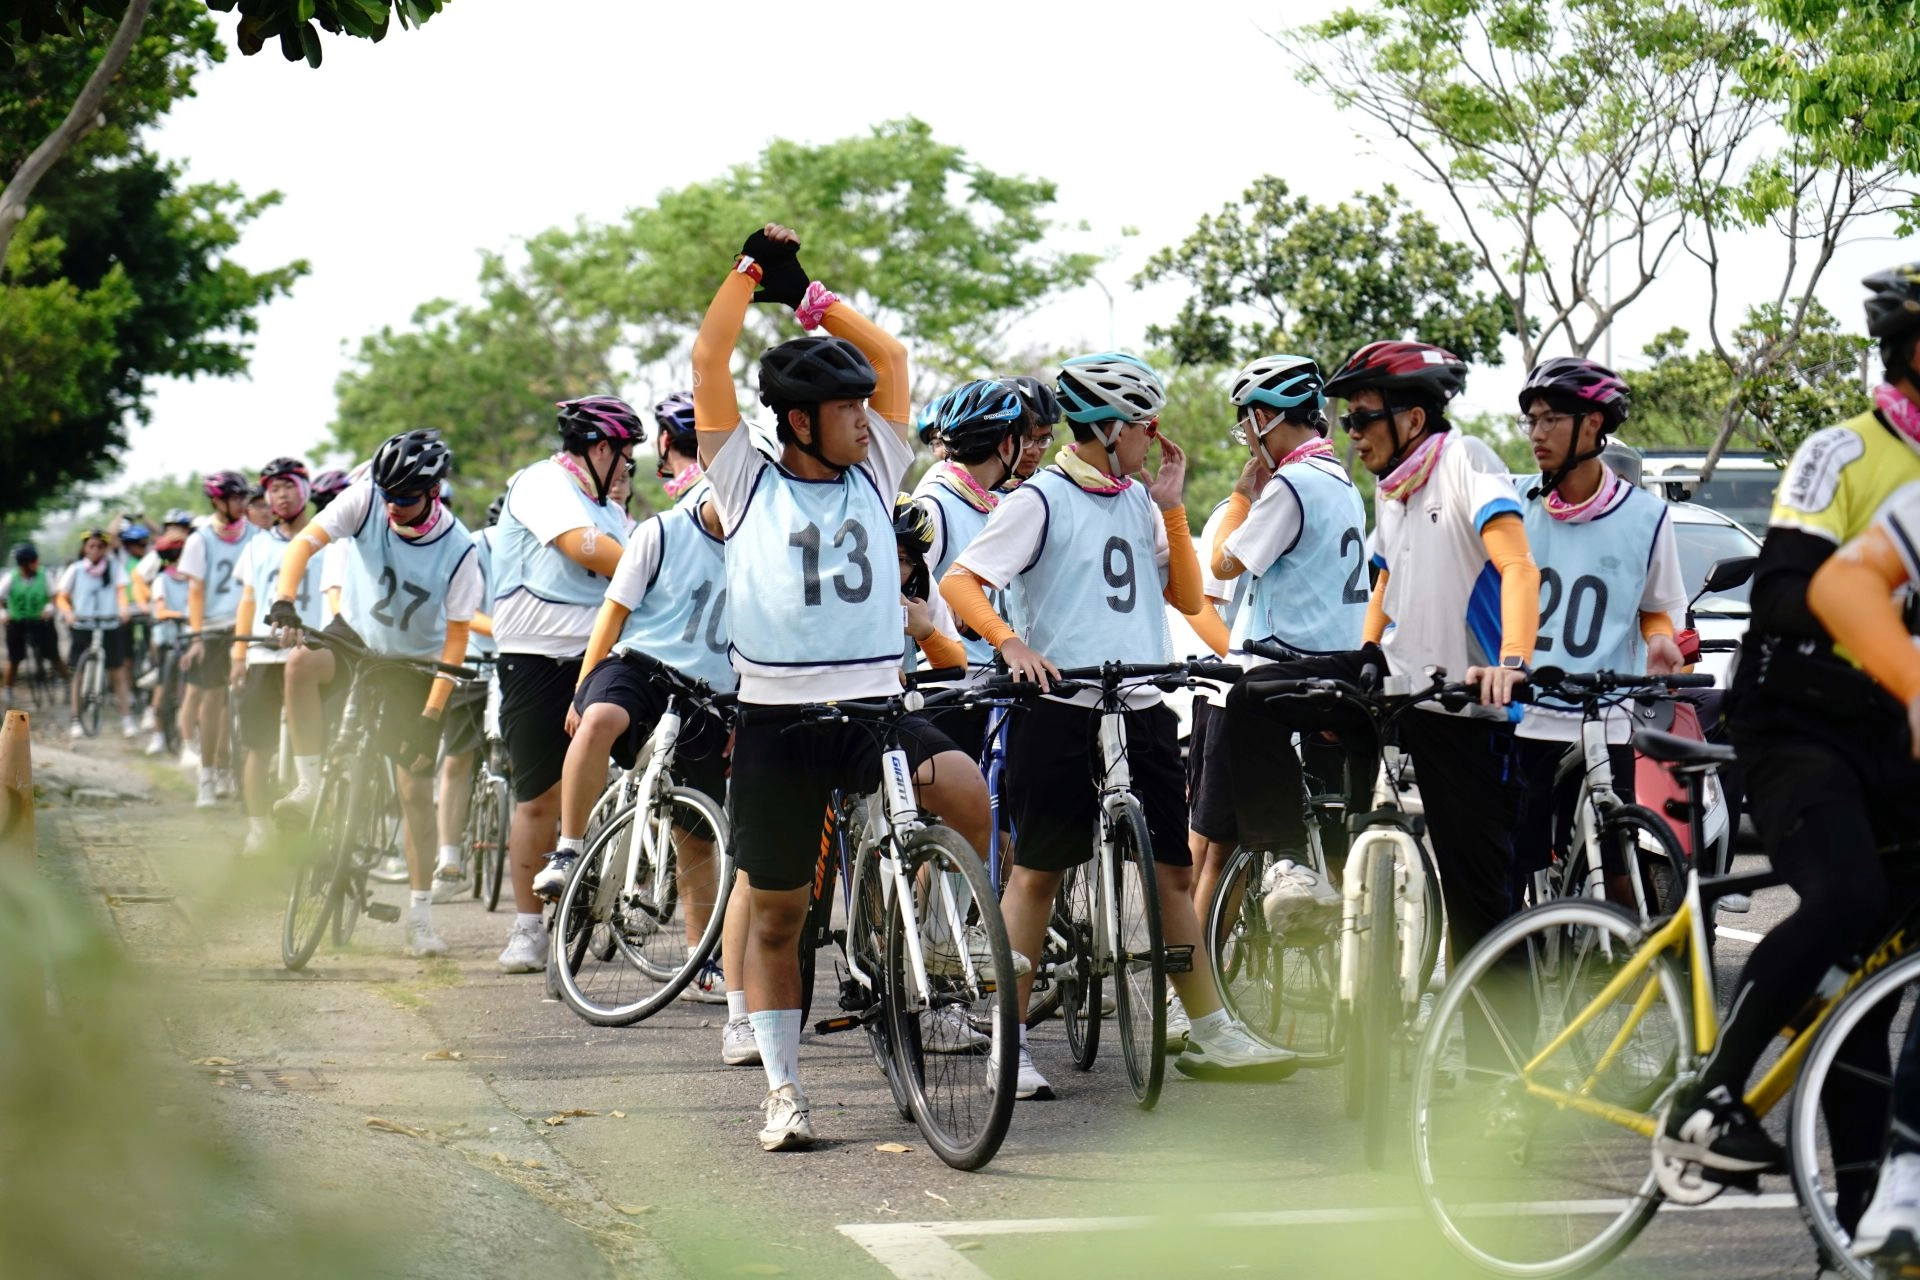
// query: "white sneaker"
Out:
[75,732]
[296,807]
[189,757]
[526,949]
[552,878]
[1232,1051]
[128,726]
[1297,897]
[206,799]
[947,1029]
[422,940]
[789,1120]
[1891,1225]
[257,843]
[943,958]
[449,882]
[1030,1085]
[148,721]
[157,744]
[708,986]
[224,787]
[1178,1024]
[738,1048]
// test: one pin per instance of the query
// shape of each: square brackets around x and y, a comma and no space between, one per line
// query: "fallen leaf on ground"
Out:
[555,1121]
[891,1148]
[500,1157]
[576,1111]
[215,1062]
[937,1196]
[531,1164]
[394,1126]
[618,1115]
[967,1246]
[442,1055]
[631,1209]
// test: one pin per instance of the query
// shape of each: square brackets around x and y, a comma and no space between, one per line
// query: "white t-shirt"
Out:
[733,475]
[333,578]
[193,564]
[353,508]
[546,500]
[1218,591]
[1443,594]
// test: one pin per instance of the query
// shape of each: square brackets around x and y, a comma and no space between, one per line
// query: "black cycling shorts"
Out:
[215,666]
[535,692]
[700,756]
[113,642]
[261,699]
[1210,776]
[37,632]
[466,719]
[1051,752]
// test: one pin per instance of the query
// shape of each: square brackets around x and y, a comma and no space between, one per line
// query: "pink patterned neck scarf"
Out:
[1903,413]
[1088,476]
[1414,470]
[230,531]
[1581,512]
[961,481]
[1314,448]
[683,479]
[576,467]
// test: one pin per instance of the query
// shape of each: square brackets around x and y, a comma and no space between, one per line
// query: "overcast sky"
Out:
[400,162]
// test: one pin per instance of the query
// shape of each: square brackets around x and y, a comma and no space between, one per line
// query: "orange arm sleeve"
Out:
[243,623]
[967,597]
[606,630]
[196,603]
[450,653]
[603,558]
[887,354]
[142,593]
[293,562]
[1653,623]
[1377,619]
[941,650]
[1224,565]
[1852,596]
[1183,570]
[1505,539]
[715,410]
[1212,630]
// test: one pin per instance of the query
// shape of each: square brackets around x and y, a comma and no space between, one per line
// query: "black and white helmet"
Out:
[412,464]
[1109,387]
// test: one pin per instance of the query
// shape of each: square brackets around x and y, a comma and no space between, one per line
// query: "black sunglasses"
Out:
[1354,423]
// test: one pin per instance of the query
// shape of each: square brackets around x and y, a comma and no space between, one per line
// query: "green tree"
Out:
[292,22]
[931,244]
[1275,272]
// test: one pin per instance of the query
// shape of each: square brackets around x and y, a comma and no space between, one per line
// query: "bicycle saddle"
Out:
[1672,749]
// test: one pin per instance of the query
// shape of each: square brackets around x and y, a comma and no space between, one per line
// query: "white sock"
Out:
[262,827]
[306,771]
[526,919]
[449,855]
[1208,1023]
[777,1032]
[571,844]
[206,775]
[736,1005]
[1023,1036]
[420,905]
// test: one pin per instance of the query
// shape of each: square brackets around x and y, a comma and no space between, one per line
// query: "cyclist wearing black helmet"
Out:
[209,561]
[410,588]
[1829,779]
[26,602]
[678,444]
[813,611]
[1036,430]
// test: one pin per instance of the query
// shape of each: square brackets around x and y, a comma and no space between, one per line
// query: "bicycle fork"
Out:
[1409,909]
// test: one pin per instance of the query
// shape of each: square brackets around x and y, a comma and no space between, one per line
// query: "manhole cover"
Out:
[268,1079]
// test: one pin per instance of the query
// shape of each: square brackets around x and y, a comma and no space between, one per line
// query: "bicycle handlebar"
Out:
[321,640]
[1549,681]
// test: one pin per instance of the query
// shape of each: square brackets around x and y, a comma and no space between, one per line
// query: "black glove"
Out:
[782,279]
[422,741]
[282,614]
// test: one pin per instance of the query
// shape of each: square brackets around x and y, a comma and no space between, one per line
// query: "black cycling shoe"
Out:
[1721,1133]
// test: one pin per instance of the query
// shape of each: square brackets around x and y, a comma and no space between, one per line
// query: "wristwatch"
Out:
[1513,662]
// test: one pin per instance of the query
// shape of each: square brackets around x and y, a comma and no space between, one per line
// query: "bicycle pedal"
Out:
[1179,957]
[385,912]
[827,1026]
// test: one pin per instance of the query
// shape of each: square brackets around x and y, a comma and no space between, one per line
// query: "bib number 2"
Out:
[808,540]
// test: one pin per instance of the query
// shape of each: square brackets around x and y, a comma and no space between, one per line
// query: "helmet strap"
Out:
[1551,481]
[1109,437]
[811,447]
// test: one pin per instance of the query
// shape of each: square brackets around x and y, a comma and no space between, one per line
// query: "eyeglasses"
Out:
[1038,440]
[1355,423]
[1530,425]
[1153,427]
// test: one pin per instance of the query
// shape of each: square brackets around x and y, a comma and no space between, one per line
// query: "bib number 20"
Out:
[808,540]
[1586,604]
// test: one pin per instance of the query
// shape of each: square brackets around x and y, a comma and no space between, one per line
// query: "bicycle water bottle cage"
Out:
[1411,823]
[1179,957]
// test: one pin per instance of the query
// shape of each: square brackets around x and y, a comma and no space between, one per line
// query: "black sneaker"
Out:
[1720,1132]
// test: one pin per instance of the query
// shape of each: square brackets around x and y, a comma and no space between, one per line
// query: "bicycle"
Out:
[1642,842]
[348,830]
[1110,905]
[490,811]
[1533,1161]
[166,675]
[945,1033]
[624,901]
[90,672]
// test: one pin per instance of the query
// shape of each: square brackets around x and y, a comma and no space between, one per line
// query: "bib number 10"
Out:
[808,540]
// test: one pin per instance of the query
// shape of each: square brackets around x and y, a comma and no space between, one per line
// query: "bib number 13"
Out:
[808,540]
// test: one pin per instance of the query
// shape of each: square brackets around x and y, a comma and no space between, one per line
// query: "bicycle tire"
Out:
[169,713]
[380,822]
[1139,957]
[869,948]
[1381,1006]
[1079,981]
[1804,1122]
[1282,992]
[817,932]
[1043,1000]
[500,804]
[1509,1153]
[961,1094]
[1662,869]
[92,699]
[320,875]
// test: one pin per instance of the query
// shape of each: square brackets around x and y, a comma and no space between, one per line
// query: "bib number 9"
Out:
[1116,562]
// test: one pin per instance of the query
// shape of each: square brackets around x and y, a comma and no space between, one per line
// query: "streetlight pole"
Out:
[1112,327]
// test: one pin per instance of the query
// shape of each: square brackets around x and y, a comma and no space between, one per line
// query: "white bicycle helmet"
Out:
[1109,387]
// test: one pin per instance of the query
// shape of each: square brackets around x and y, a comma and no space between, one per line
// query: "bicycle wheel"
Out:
[92,695]
[169,712]
[957,1046]
[867,946]
[1074,972]
[1380,1003]
[499,805]
[1643,842]
[1530,1185]
[320,871]
[1279,983]
[373,838]
[1139,960]
[1892,994]
[1043,1002]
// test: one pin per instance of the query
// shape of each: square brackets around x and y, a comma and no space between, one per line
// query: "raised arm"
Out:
[716,412]
[891,388]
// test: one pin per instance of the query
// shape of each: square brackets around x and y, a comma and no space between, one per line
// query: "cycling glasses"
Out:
[1355,423]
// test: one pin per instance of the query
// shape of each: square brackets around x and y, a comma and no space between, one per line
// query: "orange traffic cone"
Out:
[16,789]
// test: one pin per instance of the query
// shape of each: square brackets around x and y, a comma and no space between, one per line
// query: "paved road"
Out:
[661,1176]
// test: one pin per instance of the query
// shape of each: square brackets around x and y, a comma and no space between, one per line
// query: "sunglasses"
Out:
[1354,423]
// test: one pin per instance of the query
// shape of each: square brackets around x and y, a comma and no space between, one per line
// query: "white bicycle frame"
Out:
[1116,784]
[1409,892]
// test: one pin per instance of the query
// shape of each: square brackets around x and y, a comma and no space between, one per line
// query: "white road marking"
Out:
[1738,935]
[923,1250]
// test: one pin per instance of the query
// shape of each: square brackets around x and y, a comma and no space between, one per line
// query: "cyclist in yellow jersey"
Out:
[1828,776]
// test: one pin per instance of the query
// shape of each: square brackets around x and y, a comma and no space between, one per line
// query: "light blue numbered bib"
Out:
[682,620]
[266,582]
[96,605]
[223,584]
[1592,577]
[394,590]
[963,523]
[522,563]
[1093,592]
[1313,599]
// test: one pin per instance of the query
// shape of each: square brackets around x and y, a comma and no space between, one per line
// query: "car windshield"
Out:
[1702,544]
[1746,496]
